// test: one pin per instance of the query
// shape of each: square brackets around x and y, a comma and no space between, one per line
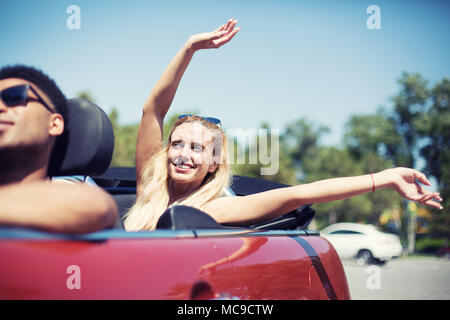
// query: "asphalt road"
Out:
[400,279]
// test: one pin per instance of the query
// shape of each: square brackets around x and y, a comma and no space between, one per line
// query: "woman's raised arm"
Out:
[150,133]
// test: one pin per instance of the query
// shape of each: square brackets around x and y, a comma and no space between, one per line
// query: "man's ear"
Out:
[56,125]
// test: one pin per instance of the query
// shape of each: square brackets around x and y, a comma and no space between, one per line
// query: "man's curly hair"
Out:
[42,81]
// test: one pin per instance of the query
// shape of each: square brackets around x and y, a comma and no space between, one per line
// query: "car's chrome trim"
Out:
[284,233]
[226,232]
[203,233]
[7,233]
[32,234]
[156,234]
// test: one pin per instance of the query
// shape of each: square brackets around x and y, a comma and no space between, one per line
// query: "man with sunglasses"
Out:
[32,111]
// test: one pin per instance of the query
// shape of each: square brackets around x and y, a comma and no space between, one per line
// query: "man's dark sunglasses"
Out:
[212,120]
[18,95]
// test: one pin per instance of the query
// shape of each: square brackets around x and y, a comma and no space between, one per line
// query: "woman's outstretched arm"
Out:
[150,134]
[271,204]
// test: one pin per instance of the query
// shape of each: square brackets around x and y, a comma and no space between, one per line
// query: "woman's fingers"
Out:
[232,25]
[420,189]
[229,26]
[222,35]
[421,177]
[434,204]
[222,27]
[410,188]
[216,38]
[217,34]
[431,199]
[426,197]
[229,23]
[221,41]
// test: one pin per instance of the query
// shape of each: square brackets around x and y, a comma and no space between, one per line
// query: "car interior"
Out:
[87,147]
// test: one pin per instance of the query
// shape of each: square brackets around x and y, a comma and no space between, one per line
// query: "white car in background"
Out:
[363,242]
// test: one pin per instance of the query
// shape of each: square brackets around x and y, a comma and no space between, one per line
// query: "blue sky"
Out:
[292,59]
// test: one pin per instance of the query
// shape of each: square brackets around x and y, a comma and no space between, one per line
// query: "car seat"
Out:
[86,146]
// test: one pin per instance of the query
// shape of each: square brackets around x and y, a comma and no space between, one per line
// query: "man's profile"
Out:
[32,116]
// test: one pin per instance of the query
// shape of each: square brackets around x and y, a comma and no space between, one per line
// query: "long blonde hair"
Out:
[154,198]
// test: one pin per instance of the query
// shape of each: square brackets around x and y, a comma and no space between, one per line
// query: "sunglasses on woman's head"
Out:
[212,120]
[18,95]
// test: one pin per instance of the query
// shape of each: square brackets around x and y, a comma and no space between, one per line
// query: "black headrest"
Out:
[87,145]
[184,217]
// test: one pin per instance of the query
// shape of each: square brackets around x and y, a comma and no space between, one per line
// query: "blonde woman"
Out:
[192,169]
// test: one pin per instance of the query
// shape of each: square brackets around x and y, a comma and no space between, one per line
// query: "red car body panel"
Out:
[246,265]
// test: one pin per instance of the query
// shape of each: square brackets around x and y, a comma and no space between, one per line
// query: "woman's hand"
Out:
[215,39]
[406,182]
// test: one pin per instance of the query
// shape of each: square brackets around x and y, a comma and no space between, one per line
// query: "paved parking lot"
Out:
[402,278]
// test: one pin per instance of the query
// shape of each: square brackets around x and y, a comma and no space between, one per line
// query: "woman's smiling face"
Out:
[190,153]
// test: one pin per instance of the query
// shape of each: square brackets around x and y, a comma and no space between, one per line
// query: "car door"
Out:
[281,264]
[167,264]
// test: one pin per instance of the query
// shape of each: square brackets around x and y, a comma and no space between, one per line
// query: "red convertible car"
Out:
[189,256]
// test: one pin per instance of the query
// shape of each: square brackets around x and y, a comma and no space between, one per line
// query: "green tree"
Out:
[286,172]
[433,127]
[422,116]
[374,135]
[371,141]
[332,162]
[409,106]
[416,130]
[87,95]
[125,142]
[301,139]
